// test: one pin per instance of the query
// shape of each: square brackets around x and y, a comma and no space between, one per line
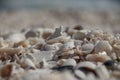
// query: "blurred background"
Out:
[91,14]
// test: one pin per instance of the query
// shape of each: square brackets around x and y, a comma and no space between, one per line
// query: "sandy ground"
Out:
[15,20]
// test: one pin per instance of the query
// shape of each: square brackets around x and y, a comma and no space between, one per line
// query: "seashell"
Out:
[48,47]
[47,33]
[78,36]
[44,64]
[6,70]
[39,55]
[116,48]
[5,43]
[78,27]
[87,48]
[32,33]
[103,45]
[27,63]
[97,33]
[102,72]
[97,58]
[16,37]
[78,42]
[79,74]
[67,62]
[58,32]
[60,39]
[33,41]
[86,64]
[10,51]
[22,43]
[65,49]
[36,74]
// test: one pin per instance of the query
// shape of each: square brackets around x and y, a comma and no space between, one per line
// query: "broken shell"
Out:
[103,45]
[16,37]
[86,64]
[58,32]
[97,58]
[87,48]
[60,39]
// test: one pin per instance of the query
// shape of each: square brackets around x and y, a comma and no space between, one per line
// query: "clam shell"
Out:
[103,45]
[87,48]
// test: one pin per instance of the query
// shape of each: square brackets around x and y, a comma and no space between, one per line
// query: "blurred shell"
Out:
[16,37]
[33,41]
[102,72]
[60,39]
[86,64]
[97,58]
[67,62]
[78,42]
[48,47]
[79,74]
[58,32]
[103,45]
[87,48]
[6,70]
[22,43]
[79,35]
[10,51]
[27,63]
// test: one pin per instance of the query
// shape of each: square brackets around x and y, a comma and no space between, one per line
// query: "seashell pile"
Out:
[64,54]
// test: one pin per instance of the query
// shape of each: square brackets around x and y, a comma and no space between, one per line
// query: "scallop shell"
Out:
[87,48]
[103,45]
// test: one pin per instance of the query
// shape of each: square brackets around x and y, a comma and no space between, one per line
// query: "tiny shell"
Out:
[87,48]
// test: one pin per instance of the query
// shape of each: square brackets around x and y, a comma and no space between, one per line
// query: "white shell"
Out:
[16,37]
